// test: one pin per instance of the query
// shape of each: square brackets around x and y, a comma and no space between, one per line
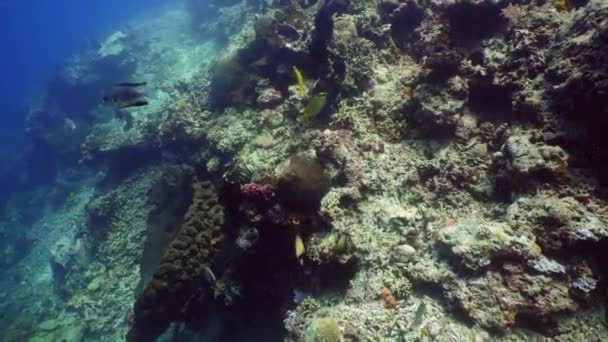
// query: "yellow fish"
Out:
[299,246]
[300,79]
[314,107]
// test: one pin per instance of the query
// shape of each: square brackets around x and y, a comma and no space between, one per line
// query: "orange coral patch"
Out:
[388,299]
[450,222]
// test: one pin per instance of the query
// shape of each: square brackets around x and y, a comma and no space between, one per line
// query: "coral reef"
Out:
[180,270]
[385,171]
[324,330]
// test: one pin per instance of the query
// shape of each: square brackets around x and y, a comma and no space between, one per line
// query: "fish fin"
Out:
[138,103]
[132,84]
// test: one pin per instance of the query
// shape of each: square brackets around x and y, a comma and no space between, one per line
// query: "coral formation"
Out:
[180,270]
[386,170]
[302,184]
[324,330]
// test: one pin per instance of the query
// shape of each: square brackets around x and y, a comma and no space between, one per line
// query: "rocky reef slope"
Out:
[359,170]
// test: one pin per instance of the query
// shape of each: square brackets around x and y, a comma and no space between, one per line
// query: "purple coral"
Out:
[269,97]
[258,193]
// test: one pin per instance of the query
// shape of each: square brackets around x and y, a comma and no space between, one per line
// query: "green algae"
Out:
[95,284]
[309,306]
[49,325]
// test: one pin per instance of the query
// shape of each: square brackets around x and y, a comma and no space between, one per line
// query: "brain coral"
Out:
[324,330]
[182,266]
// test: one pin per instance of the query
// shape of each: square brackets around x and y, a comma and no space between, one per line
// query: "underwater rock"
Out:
[405,19]
[269,97]
[395,82]
[49,325]
[475,245]
[264,140]
[399,218]
[439,106]
[578,79]
[497,299]
[549,266]
[584,284]
[302,184]
[63,253]
[556,222]
[527,158]
[232,83]
[404,253]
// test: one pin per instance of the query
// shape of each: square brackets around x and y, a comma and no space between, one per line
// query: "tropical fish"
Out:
[125,95]
[314,107]
[300,79]
[299,246]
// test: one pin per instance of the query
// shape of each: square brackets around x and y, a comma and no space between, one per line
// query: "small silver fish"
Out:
[209,276]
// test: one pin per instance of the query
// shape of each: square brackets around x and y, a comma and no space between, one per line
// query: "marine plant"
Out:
[309,306]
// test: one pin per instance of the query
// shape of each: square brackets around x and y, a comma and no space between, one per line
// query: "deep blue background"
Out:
[36,36]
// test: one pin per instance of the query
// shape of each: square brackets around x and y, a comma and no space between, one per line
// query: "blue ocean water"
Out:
[38,36]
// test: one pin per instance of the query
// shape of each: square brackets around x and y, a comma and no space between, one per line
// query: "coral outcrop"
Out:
[183,268]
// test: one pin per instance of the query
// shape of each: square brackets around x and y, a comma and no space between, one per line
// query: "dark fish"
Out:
[125,95]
